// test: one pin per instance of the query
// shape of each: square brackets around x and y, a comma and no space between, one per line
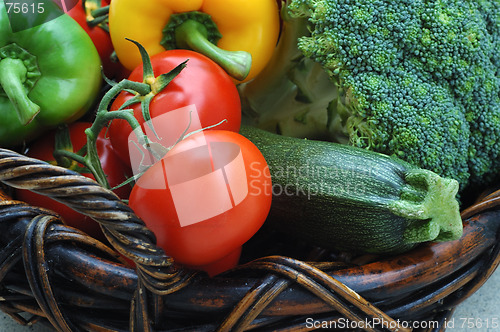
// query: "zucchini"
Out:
[346,198]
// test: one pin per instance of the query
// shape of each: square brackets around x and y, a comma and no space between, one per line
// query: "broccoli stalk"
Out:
[419,80]
[291,95]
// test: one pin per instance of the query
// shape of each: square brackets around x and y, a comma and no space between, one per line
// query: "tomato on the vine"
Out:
[201,83]
[115,169]
[206,197]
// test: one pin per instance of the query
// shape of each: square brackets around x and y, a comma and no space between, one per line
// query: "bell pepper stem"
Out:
[12,76]
[192,34]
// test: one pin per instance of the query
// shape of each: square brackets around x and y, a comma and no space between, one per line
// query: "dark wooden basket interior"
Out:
[56,275]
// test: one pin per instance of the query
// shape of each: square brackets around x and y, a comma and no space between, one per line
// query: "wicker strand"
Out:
[124,230]
[139,310]
[489,202]
[159,291]
[256,300]
[340,297]
[36,272]
[11,255]
[490,263]
[421,303]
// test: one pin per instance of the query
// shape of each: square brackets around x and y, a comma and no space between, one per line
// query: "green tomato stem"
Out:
[100,12]
[144,92]
[12,76]
[92,160]
[66,154]
[96,14]
[103,116]
[147,67]
[98,21]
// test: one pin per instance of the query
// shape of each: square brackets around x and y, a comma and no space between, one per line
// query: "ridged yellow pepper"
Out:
[248,30]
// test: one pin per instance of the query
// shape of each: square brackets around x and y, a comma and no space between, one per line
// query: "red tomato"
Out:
[201,83]
[101,39]
[206,197]
[114,168]
[222,265]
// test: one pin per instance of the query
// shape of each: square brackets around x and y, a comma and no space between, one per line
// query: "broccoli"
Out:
[411,78]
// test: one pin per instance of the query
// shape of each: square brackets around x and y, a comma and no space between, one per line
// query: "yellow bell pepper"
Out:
[240,35]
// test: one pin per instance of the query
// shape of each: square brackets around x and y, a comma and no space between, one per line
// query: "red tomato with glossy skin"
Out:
[225,263]
[202,83]
[206,197]
[114,168]
[101,40]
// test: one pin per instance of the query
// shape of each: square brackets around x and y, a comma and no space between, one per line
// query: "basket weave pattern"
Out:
[62,277]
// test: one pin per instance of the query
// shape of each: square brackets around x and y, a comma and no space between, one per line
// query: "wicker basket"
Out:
[57,275]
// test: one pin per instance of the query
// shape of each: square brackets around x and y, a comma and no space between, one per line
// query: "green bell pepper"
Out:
[50,73]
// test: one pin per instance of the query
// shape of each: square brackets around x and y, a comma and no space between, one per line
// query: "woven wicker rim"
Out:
[273,293]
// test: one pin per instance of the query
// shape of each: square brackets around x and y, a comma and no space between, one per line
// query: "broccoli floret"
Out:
[412,78]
